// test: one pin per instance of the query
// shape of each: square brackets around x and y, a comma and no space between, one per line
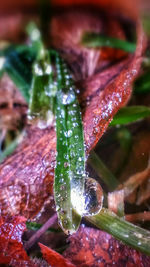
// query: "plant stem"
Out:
[41,231]
[108,178]
[128,233]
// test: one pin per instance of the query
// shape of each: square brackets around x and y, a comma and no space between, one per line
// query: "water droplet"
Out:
[93,197]
[48,69]
[68,133]
[38,69]
[67,98]
[35,35]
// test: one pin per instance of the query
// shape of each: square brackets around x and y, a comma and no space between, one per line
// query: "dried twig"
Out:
[40,232]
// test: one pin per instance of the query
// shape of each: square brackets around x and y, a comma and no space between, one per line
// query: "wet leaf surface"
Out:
[91,247]
[11,246]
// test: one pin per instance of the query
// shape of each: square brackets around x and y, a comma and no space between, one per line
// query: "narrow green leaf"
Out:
[18,65]
[70,168]
[128,233]
[98,40]
[45,12]
[43,89]
[142,84]
[103,172]
[130,114]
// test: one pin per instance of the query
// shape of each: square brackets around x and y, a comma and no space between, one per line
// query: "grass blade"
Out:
[97,40]
[108,178]
[130,114]
[18,65]
[70,168]
[43,89]
[128,233]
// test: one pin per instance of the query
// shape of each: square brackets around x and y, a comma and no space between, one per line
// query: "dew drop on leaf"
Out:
[68,133]
[67,98]
[93,197]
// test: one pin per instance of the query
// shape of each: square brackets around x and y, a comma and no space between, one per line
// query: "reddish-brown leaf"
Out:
[90,247]
[26,177]
[11,247]
[54,258]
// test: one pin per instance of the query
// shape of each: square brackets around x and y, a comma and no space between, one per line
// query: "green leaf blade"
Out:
[18,65]
[95,40]
[43,90]
[130,114]
[128,233]
[70,168]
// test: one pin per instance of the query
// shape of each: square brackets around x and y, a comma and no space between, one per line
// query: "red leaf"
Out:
[11,247]
[90,247]
[30,171]
[54,258]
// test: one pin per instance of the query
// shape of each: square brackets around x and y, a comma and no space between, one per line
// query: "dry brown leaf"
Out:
[54,258]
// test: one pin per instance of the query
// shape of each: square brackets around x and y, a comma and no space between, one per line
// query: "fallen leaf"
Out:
[67,31]
[90,247]
[26,177]
[11,246]
[54,258]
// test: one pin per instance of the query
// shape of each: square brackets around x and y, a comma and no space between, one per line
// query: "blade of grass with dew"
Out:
[130,114]
[107,177]
[122,230]
[43,89]
[95,40]
[70,161]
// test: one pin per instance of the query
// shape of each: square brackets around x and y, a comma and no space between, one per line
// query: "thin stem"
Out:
[40,232]
[103,172]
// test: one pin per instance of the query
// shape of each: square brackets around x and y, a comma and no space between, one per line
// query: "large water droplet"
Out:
[90,201]
[93,197]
